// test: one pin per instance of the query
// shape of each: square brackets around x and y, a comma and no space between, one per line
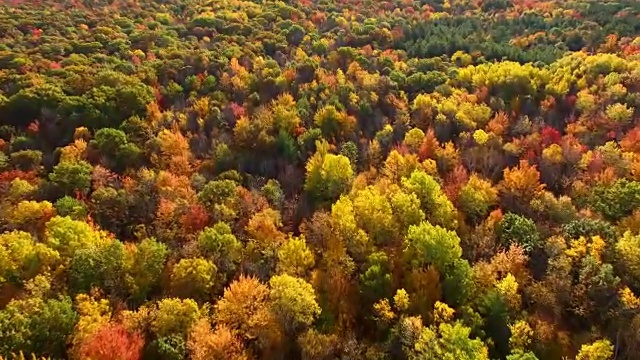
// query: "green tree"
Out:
[376,281]
[519,230]
[68,206]
[115,147]
[428,244]
[449,342]
[219,244]
[72,176]
[67,236]
[434,202]
[328,175]
[273,192]
[26,159]
[293,301]
[616,200]
[406,209]
[37,326]
[98,266]
[476,197]
[21,257]
[144,266]
[374,215]
[174,317]
[193,278]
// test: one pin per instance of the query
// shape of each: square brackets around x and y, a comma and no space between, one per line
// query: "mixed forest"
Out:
[320,179]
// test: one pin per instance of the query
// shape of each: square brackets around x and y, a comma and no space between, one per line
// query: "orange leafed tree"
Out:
[112,342]
[520,185]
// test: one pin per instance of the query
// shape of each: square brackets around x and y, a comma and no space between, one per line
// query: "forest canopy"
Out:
[316,180]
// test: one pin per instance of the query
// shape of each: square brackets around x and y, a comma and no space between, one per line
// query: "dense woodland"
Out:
[318,180]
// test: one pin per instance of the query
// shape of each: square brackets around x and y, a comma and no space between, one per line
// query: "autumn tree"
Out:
[293,302]
[244,307]
[112,341]
[38,326]
[193,278]
[519,186]
[519,230]
[476,197]
[219,243]
[219,344]
[294,257]
[434,202]
[72,176]
[144,264]
[328,175]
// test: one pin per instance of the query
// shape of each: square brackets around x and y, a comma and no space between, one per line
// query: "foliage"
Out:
[319,179]
[293,301]
[328,175]
[113,341]
[516,229]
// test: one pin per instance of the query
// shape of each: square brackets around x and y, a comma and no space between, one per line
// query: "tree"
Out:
[628,252]
[37,326]
[518,229]
[448,342]
[477,197]
[520,185]
[244,307]
[616,200]
[221,246]
[376,281]
[294,257]
[219,344]
[265,238]
[406,209]
[428,244]
[110,207]
[30,215]
[193,278]
[98,266]
[434,202]
[343,221]
[520,339]
[172,153]
[109,142]
[315,345]
[413,139]
[218,197]
[72,176]
[174,317]
[144,266]
[293,302]
[619,113]
[334,122]
[26,159]
[94,314]
[328,175]
[295,35]
[598,350]
[273,192]
[170,347]
[374,215]
[112,341]
[67,236]
[68,206]
[21,257]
